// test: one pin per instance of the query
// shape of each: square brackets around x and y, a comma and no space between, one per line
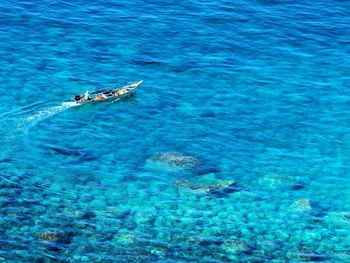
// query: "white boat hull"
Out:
[117,94]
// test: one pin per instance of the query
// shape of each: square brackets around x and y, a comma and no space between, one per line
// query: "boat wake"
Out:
[49,111]
[24,118]
[16,125]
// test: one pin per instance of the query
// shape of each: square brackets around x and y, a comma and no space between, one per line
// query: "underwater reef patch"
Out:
[217,189]
[186,162]
[175,159]
[55,240]
[302,205]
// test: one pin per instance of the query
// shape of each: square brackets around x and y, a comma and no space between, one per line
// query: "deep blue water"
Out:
[235,147]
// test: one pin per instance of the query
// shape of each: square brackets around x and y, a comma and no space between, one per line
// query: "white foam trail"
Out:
[48,112]
[22,121]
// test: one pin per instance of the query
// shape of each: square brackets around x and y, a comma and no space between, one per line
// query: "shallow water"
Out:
[235,147]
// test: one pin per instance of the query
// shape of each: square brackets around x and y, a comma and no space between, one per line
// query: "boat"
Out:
[107,94]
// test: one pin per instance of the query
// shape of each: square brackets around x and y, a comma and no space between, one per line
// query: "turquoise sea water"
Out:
[235,147]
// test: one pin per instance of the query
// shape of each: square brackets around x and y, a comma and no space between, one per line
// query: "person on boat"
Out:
[77,98]
[87,95]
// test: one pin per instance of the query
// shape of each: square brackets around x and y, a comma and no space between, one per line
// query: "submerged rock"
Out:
[302,205]
[223,190]
[218,189]
[55,240]
[51,236]
[275,180]
[191,186]
[124,239]
[175,159]
[234,247]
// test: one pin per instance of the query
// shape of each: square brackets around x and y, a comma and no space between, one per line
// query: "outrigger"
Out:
[107,94]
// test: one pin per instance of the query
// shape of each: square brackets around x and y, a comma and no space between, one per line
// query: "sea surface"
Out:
[236,147]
